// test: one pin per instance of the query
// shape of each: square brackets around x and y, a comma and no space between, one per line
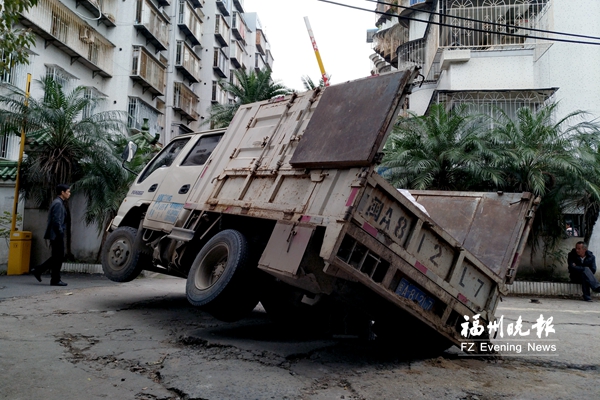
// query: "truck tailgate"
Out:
[492,226]
[402,254]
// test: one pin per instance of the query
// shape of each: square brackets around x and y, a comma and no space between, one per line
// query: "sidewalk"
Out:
[81,274]
[26,285]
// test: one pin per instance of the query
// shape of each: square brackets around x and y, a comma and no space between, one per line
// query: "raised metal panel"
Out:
[351,121]
[489,225]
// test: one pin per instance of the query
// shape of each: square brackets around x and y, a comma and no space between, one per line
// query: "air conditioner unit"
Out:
[85,35]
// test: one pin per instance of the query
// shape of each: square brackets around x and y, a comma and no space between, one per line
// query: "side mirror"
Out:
[129,152]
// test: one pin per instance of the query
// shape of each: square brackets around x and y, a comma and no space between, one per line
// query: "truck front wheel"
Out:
[120,257]
[220,279]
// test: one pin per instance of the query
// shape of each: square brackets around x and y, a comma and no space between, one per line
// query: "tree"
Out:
[62,143]
[14,43]
[252,87]
[557,160]
[443,151]
[308,83]
[105,184]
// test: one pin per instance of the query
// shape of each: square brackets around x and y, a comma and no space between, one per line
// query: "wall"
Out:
[491,70]
[535,265]
[85,240]
[573,67]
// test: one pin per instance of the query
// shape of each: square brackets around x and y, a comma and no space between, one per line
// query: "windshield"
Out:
[165,158]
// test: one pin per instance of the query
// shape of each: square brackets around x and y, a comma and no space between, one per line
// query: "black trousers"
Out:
[587,279]
[54,263]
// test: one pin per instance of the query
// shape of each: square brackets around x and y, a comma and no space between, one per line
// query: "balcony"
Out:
[185,101]
[148,71]
[61,27]
[151,23]
[190,23]
[412,54]
[386,41]
[197,3]
[238,5]
[224,7]
[269,60]
[220,63]
[382,13]
[187,62]
[498,20]
[236,55]
[238,27]
[108,7]
[259,62]
[261,42]
[222,31]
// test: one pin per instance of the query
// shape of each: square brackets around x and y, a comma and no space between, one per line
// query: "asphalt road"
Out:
[96,339]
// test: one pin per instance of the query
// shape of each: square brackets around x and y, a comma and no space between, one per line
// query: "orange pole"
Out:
[314,44]
[13,225]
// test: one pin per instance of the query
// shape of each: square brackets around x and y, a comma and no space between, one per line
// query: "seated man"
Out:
[582,267]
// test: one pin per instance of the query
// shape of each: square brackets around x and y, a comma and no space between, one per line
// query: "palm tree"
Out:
[105,184]
[253,86]
[309,84]
[557,160]
[61,142]
[442,150]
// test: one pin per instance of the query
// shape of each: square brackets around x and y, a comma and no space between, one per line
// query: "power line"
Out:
[484,22]
[464,28]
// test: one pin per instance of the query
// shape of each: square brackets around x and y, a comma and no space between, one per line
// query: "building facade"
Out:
[155,59]
[480,52]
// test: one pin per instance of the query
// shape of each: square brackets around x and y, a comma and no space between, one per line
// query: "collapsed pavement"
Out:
[142,340]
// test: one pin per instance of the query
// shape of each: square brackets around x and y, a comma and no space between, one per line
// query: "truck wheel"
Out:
[221,278]
[120,257]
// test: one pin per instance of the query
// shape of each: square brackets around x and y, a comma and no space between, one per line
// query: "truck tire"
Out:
[121,260]
[221,279]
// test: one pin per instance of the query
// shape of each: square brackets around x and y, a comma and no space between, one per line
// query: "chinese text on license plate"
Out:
[411,292]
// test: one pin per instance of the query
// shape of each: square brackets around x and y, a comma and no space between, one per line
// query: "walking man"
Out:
[55,232]
[582,267]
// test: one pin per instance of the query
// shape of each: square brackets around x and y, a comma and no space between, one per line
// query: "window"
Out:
[574,225]
[60,76]
[165,158]
[60,27]
[138,110]
[202,150]
[16,74]
[94,106]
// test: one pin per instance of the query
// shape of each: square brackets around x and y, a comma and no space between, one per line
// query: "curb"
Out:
[518,287]
[83,268]
[546,289]
[95,269]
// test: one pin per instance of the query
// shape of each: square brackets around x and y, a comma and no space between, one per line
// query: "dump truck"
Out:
[286,207]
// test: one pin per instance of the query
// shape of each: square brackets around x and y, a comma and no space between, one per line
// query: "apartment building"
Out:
[159,60]
[155,59]
[483,55]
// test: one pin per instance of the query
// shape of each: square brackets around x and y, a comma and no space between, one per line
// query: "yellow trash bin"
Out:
[19,252]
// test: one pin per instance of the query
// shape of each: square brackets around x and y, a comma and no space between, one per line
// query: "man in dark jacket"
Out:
[582,267]
[55,232]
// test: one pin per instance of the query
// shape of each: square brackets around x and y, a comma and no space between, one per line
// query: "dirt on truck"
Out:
[286,207]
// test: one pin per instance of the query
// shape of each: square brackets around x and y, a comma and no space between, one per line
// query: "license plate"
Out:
[407,290]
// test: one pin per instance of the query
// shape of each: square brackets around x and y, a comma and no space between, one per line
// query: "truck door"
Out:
[170,196]
[145,187]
